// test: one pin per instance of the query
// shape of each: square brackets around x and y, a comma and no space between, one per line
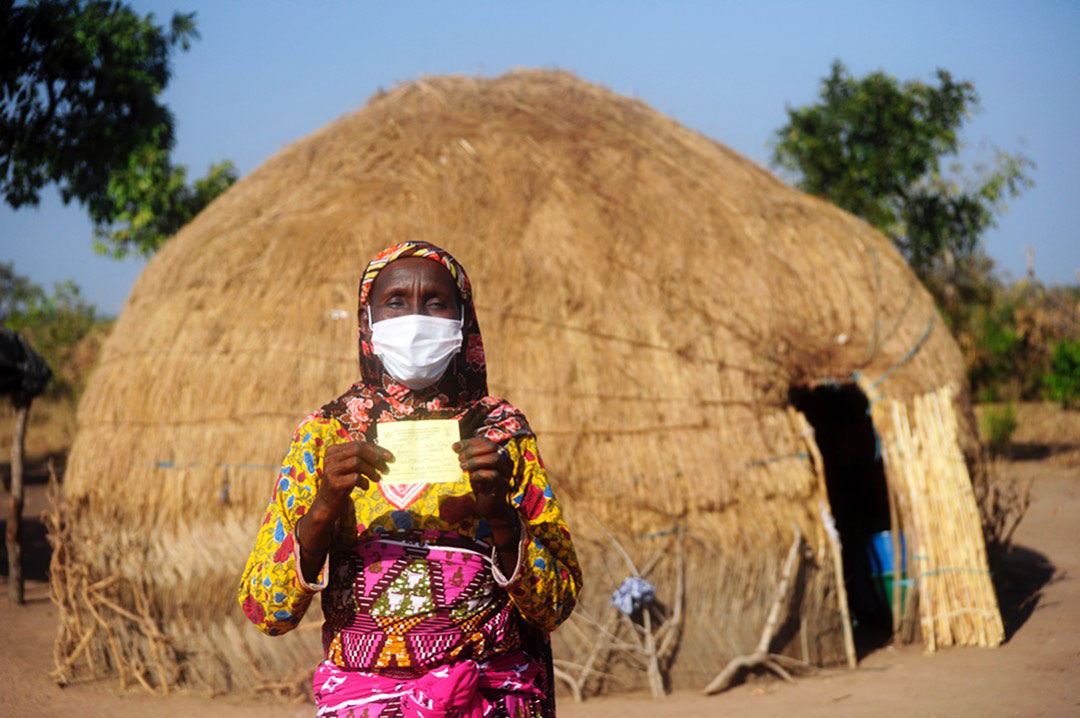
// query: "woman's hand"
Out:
[348,466]
[345,467]
[489,472]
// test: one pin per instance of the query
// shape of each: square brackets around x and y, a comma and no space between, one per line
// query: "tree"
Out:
[80,81]
[54,323]
[17,292]
[875,147]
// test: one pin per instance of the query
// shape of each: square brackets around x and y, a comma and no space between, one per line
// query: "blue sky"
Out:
[267,73]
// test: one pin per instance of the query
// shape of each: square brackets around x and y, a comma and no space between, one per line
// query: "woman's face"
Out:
[414,285]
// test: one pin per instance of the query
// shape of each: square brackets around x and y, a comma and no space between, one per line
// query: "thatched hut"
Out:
[676,322]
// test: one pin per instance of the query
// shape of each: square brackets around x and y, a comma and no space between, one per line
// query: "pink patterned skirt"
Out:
[422,629]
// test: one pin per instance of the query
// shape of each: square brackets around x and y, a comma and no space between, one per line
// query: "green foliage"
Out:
[962,286]
[80,81]
[54,323]
[80,85]
[998,348]
[999,423]
[153,201]
[1008,333]
[16,293]
[1063,380]
[875,146]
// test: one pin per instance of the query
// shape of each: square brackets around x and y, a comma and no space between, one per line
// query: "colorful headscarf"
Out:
[462,391]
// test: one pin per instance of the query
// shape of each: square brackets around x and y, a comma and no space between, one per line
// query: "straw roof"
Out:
[647,297]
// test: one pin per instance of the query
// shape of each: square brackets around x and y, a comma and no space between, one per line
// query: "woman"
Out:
[438,598]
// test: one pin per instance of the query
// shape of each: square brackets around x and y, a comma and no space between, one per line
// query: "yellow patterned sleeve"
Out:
[548,578]
[271,593]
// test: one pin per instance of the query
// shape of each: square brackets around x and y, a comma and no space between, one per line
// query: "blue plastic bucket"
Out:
[881,554]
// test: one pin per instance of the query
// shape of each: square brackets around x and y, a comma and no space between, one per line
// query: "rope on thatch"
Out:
[872,342]
[904,359]
[761,655]
[913,286]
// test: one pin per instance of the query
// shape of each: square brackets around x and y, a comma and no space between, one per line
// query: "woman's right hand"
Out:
[345,467]
[348,466]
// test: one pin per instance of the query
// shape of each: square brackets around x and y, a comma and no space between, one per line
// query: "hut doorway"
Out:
[858,496]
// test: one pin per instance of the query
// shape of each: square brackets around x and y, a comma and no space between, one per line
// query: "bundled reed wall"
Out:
[647,297]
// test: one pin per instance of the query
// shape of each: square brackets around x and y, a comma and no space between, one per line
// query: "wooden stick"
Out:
[761,655]
[153,636]
[15,507]
[60,672]
[117,655]
[652,663]
[630,565]
[650,647]
[894,535]
[672,627]
[816,460]
[575,686]
[841,591]
[804,640]
[777,669]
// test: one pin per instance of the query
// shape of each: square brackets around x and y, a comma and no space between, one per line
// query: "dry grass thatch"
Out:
[648,297]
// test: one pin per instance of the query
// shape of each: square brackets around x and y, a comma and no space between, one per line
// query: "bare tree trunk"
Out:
[15,507]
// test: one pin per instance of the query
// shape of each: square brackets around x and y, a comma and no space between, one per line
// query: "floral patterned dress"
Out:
[275,596]
[414,600]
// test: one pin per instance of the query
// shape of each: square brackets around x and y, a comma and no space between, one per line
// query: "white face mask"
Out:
[416,349]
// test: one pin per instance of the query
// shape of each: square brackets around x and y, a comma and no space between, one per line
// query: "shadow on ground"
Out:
[1037,450]
[36,550]
[1020,575]
[36,469]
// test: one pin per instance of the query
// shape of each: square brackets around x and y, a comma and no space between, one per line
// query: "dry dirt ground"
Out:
[1035,673]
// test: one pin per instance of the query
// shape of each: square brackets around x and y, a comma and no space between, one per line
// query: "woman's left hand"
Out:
[489,473]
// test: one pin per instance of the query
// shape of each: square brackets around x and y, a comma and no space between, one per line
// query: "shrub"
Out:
[999,423]
[1008,333]
[1063,380]
[999,347]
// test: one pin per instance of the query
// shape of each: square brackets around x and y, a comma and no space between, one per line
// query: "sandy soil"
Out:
[1036,673]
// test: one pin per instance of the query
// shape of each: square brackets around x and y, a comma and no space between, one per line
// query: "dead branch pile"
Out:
[650,649]
[1003,503]
[91,607]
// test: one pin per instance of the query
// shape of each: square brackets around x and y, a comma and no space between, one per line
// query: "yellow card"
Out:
[421,450]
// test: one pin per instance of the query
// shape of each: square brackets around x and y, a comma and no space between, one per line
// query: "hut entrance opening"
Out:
[858,495]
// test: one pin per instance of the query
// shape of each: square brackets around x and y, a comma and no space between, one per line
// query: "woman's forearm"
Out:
[315,531]
[506,536]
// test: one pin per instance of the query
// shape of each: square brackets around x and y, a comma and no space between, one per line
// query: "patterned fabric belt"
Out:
[506,685]
[418,606]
